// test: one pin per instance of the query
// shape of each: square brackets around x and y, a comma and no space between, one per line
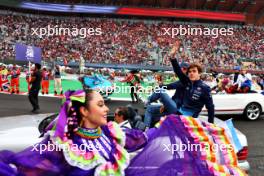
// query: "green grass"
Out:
[66,85]
[75,85]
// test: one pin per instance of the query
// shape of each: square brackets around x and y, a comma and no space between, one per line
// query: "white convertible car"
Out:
[251,105]
[20,132]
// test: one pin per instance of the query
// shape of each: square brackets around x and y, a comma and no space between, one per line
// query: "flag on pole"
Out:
[28,53]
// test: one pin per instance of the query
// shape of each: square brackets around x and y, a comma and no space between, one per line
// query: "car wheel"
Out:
[45,122]
[252,111]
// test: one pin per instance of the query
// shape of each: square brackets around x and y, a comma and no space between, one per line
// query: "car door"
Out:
[227,101]
[227,104]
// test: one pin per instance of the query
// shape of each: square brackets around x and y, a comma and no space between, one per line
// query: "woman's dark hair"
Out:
[74,115]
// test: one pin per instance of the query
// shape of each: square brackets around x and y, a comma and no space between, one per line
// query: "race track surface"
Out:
[12,105]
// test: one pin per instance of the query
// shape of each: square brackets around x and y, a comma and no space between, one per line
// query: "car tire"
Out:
[45,122]
[252,111]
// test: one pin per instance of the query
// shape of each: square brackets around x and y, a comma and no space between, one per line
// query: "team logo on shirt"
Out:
[197,94]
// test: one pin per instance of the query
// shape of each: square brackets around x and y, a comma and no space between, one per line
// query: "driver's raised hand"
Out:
[175,49]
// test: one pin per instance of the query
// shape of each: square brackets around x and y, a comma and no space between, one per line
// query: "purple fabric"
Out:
[152,160]
[51,163]
[32,162]
[4,168]
[135,139]
[156,159]
[62,120]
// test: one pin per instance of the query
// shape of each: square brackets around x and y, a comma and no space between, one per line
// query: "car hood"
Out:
[19,132]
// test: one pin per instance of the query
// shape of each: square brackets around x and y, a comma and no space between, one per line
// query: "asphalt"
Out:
[254,131]
[12,105]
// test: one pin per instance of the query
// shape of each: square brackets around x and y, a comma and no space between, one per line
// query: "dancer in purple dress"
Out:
[80,142]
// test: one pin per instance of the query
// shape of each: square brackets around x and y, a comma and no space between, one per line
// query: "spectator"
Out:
[122,117]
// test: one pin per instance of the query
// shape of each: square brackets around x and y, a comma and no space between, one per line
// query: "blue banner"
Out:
[28,53]
[55,7]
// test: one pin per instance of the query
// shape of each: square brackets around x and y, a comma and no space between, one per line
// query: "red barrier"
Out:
[182,14]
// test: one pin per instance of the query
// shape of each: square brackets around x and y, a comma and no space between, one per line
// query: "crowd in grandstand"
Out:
[130,42]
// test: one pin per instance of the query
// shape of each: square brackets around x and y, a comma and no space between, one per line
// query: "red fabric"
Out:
[233,89]
[15,71]
[15,84]
[45,86]
[129,78]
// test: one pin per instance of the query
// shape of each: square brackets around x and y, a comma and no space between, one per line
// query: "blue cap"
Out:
[237,68]
[184,65]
